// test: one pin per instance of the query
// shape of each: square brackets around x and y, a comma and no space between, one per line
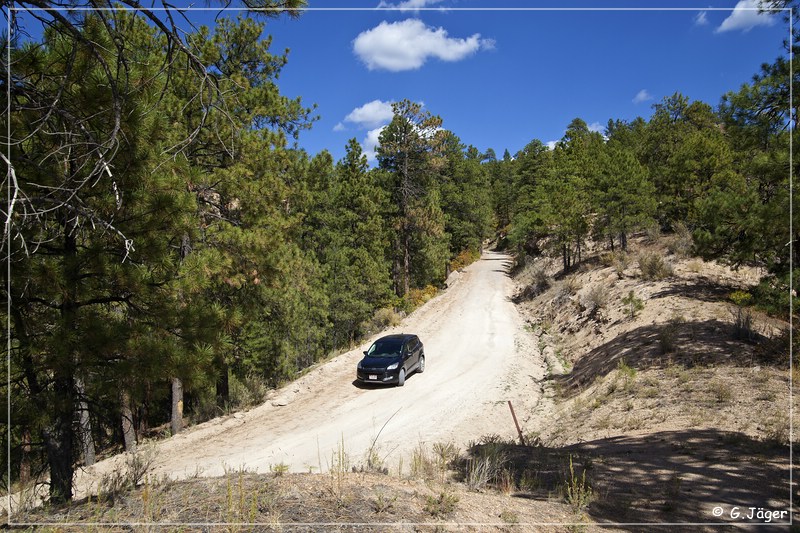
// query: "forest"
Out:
[172,254]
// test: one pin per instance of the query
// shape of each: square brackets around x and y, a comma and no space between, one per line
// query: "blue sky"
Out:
[500,79]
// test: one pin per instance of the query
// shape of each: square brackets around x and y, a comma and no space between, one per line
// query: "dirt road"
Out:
[478,356]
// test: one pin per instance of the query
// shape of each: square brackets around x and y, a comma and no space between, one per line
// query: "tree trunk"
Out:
[25,459]
[128,433]
[623,241]
[177,406]
[406,262]
[59,435]
[58,442]
[223,385]
[84,425]
[143,412]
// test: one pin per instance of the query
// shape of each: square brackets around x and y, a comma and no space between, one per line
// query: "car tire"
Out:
[401,377]
[421,366]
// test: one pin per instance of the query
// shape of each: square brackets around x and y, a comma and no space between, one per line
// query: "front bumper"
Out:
[377,375]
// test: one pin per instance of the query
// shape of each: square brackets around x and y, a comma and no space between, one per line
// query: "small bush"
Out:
[721,391]
[742,316]
[382,504]
[487,463]
[577,491]
[442,505]
[621,263]
[595,299]
[743,329]
[632,304]
[464,259]
[423,465]
[667,336]
[382,319]
[279,469]
[628,373]
[417,297]
[446,455]
[135,469]
[572,284]
[619,260]
[653,267]
[246,392]
[653,233]
[681,242]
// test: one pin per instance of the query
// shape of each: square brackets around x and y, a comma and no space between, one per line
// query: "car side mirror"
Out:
[365,353]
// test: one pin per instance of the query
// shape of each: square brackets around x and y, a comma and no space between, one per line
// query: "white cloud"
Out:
[700,19]
[596,126]
[551,144]
[409,4]
[642,96]
[371,115]
[745,16]
[370,143]
[339,127]
[407,45]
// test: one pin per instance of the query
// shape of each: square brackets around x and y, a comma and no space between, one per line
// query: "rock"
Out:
[452,278]
[280,402]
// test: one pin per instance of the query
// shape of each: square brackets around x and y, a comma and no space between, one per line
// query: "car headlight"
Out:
[360,367]
[393,366]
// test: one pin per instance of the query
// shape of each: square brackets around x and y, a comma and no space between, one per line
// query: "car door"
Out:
[414,349]
[407,356]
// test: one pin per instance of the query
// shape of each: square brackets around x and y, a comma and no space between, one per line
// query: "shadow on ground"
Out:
[708,342]
[675,477]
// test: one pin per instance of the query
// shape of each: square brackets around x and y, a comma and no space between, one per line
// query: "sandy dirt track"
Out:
[478,356]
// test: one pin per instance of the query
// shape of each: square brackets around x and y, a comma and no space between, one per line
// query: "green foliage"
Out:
[772,295]
[633,304]
[577,491]
[442,505]
[464,259]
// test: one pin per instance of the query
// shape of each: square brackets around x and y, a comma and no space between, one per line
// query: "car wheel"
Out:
[401,378]
[421,367]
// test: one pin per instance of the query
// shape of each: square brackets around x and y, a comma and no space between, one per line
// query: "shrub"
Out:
[668,335]
[382,319]
[681,242]
[742,316]
[441,505]
[572,284]
[464,259]
[595,299]
[654,267]
[246,392]
[417,297]
[619,260]
[653,233]
[423,466]
[632,304]
[771,295]
[577,491]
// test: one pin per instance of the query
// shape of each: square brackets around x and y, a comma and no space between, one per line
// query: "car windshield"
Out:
[385,348]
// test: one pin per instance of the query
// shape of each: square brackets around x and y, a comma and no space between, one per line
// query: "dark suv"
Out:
[391,359]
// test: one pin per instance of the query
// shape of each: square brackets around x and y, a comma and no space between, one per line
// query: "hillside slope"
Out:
[677,398]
